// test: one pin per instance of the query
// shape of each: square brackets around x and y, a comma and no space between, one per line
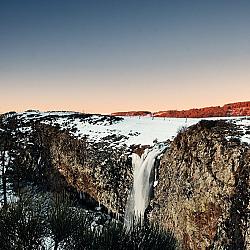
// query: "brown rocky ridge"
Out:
[231,109]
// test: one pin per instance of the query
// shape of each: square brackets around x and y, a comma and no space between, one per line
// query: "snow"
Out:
[132,129]
[126,131]
[243,127]
[33,115]
[11,197]
[25,129]
[48,243]
[155,183]
[244,124]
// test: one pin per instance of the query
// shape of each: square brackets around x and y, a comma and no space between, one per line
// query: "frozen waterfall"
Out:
[139,196]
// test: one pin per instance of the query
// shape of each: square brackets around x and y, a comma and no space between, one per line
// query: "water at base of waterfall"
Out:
[143,184]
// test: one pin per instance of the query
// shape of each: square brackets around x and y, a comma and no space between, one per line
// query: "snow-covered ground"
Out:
[244,125]
[132,130]
[127,130]
[11,197]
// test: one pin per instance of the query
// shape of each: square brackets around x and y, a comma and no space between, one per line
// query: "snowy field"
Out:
[127,130]
[146,131]
[134,130]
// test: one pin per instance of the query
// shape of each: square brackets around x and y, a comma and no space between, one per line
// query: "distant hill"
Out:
[132,113]
[231,109]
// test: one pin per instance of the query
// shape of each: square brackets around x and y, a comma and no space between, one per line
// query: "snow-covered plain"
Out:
[127,130]
[141,130]
[133,130]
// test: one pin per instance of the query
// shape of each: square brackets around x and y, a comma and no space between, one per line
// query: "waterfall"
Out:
[139,197]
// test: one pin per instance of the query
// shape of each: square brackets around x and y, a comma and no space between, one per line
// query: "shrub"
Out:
[24,225]
[115,236]
[62,219]
[21,227]
[181,129]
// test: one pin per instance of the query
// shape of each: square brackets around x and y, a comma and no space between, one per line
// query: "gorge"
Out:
[202,191]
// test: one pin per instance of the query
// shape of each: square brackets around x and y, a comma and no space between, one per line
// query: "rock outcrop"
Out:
[203,190]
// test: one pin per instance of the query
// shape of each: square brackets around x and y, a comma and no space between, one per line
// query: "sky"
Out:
[106,56]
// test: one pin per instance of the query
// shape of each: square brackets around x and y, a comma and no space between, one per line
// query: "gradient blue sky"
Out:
[105,56]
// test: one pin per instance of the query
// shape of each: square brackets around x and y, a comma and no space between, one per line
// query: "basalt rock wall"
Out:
[203,190]
[105,174]
[52,159]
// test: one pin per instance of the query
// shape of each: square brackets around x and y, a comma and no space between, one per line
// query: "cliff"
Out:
[53,158]
[203,190]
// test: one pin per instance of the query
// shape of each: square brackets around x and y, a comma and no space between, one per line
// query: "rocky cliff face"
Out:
[101,173]
[52,158]
[203,190]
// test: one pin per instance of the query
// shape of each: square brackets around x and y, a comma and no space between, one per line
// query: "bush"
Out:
[24,225]
[115,236]
[21,227]
[62,220]
[181,129]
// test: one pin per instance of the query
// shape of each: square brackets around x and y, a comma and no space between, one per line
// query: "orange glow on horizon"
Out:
[111,93]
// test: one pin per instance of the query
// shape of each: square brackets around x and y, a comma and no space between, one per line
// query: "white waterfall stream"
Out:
[139,196]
